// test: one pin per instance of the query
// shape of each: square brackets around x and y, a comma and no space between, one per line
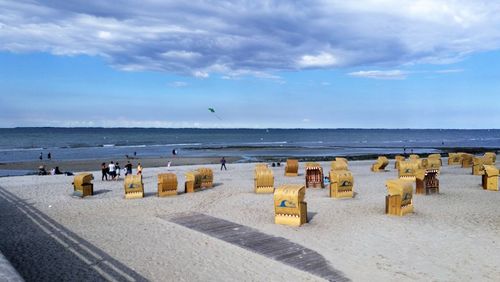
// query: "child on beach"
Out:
[139,169]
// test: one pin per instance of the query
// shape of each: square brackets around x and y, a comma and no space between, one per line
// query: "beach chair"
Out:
[414,157]
[478,165]
[492,157]
[167,184]
[436,157]
[261,166]
[264,181]
[380,164]
[467,160]
[339,159]
[289,206]
[490,178]
[207,177]
[314,175]
[82,185]
[398,159]
[426,182]
[339,165]
[431,164]
[455,158]
[341,184]
[134,188]
[399,199]
[292,167]
[407,170]
[193,181]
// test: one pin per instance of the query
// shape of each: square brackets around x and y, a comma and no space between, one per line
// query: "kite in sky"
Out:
[213,111]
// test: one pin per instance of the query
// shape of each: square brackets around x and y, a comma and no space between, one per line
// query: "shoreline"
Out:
[31,167]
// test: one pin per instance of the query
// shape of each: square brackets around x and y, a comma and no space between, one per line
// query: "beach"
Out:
[47,234]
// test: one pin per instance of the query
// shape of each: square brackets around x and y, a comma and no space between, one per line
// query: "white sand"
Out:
[453,236]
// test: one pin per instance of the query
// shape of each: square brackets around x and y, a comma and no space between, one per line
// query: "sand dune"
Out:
[451,236]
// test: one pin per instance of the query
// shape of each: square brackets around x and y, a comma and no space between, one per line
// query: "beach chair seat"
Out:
[398,159]
[289,206]
[341,184]
[134,188]
[455,158]
[426,182]
[314,175]
[339,165]
[292,167]
[399,199]
[492,157]
[429,164]
[407,170]
[490,178]
[82,185]
[167,184]
[380,164]
[264,181]
[193,181]
[207,177]
[467,160]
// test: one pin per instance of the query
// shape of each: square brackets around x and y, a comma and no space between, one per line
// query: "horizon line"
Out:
[246,128]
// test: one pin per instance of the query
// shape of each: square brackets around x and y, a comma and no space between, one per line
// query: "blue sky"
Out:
[327,64]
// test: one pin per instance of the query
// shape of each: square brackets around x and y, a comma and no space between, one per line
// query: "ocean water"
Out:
[26,144]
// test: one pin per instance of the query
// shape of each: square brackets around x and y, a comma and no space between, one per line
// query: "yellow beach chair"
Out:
[314,175]
[426,182]
[193,182]
[82,185]
[399,200]
[207,177]
[134,188]
[263,181]
[490,178]
[341,184]
[167,184]
[289,206]
[292,167]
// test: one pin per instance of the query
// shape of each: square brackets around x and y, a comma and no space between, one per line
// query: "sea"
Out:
[26,144]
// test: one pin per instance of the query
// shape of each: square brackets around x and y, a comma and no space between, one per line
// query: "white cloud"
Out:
[203,37]
[450,71]
[379,74]
[314,61]
[178,84]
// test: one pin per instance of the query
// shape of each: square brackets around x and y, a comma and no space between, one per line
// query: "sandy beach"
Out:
[49,235]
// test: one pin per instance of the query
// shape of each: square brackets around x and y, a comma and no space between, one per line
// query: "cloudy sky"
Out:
[326,64]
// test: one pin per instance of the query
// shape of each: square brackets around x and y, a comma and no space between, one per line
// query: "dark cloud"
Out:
[251,37]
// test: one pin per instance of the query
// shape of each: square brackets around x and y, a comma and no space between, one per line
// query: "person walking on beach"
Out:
[117,169]
[223,163]
[104,171]
[139,169]
[112,170]
[49,156]
[41,156]
[128,166]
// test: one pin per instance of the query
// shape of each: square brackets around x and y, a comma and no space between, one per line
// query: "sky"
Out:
[259,64]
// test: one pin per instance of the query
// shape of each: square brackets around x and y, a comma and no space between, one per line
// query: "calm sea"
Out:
[25,144]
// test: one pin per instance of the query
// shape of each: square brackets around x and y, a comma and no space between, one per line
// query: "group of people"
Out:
[49,156]
[113,170]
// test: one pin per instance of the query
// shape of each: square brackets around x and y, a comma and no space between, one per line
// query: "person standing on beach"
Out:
[112,170]
[104,171]
[49,156]
[128,166]
[139,169]
[223,163]
[41,156]
[117,169]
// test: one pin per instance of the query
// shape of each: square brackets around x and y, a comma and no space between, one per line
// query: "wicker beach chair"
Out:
[263,181]
[167,184]
[490,178]
[429,164]
[82,185]
[407,170]
[380,164]
[134,188]
[426,182]
[399,200]
[454,158]
[339,165]
[467,160]
[341,184]
[398,159]
[492,157]
[193,181]
[292,167]
[314,175]
[207,177]
[289,206]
